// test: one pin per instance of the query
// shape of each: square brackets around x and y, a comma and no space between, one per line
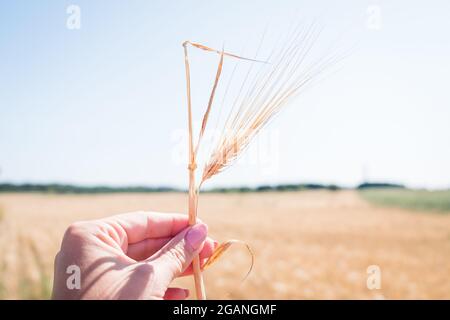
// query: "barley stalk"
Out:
[199,285]
[265,97]
[193,190]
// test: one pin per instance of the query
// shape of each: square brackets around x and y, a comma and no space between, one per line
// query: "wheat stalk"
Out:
[266,96]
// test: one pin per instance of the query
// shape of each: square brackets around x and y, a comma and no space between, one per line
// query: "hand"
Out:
[129,256]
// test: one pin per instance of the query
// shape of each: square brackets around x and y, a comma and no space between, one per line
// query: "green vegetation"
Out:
[63,189]
[380,185]
[438,201]
[43,289]
[2,276]
[280,187]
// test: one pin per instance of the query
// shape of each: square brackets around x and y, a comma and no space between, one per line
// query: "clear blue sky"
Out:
[103,104]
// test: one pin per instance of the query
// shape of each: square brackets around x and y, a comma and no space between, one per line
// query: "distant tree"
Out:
[380,185]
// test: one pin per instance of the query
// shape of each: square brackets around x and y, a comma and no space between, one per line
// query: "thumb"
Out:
[172,259]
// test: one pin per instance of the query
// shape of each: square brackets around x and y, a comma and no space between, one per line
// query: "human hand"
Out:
[130,256]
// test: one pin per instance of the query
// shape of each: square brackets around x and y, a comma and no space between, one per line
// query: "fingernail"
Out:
[196,235]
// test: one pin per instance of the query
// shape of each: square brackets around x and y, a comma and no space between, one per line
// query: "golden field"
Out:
[307,244]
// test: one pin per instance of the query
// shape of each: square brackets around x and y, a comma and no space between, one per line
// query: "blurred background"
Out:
[344,195]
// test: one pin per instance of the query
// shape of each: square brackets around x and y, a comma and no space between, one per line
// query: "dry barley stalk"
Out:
[265,97]
[199,285]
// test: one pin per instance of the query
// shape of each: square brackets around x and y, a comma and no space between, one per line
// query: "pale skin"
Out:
[130,256]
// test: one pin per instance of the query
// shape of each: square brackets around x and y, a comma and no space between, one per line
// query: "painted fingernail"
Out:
[196,236]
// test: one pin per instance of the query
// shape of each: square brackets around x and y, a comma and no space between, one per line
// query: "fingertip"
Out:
[176,294]
[196,236]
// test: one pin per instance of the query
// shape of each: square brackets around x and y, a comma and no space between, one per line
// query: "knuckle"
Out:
[75,228]
[78,230]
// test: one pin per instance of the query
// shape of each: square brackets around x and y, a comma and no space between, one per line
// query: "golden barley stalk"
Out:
[269,92]
[193,190]
[199,285]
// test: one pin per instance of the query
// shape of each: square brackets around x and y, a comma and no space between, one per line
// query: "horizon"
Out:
[170,188]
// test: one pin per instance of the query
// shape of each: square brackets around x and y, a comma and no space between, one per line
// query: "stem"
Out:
[198,279]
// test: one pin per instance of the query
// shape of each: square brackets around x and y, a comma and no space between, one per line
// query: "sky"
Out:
[105,103]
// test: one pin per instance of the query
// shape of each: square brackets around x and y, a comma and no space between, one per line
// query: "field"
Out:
[438,201]
[307,245]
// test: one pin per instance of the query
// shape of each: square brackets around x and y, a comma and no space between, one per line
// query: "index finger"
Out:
[143,225]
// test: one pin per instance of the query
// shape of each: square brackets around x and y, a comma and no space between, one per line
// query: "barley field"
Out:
[307,245]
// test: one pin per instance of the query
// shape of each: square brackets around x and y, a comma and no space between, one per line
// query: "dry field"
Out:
[306,244]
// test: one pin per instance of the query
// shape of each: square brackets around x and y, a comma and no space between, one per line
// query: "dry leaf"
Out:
[222,248]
